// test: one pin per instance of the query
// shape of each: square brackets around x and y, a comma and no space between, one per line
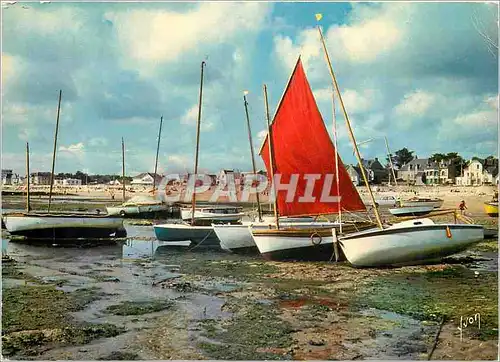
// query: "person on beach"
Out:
[462,207]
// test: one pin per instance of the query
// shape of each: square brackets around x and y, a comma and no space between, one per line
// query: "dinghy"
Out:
[408,243]
[411,210]
[297,146]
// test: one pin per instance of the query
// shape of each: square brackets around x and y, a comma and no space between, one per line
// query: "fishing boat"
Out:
[491,208]
[407,242]
[421,201]
[60,226]
[214,213]
[411,210]
[146,207]
[298,145]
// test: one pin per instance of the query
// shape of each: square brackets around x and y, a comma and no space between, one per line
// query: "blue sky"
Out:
[423,74]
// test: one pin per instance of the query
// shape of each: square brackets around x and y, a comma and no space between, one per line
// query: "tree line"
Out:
[93,179]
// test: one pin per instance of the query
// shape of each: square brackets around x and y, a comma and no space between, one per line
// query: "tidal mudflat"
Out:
[141,300]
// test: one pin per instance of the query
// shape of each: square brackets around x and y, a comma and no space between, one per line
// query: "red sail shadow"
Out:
[303,146]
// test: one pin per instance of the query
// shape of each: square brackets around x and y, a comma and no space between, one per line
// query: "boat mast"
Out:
[27,177]
[349,129]
[336,157]
[271,157]
[193,198]
[390,161]
[251,152]
[54,153]
[123,168]
[157,150]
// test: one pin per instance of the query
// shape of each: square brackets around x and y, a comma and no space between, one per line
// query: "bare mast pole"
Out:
[193,199]
[27,177]
[252,152]
[390,161]
[123,168]
[349,129]
[55,148]
[336,157]
[271,156]
[157,150]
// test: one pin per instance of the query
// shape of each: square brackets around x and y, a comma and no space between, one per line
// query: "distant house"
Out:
[146,179]
[115,182]
[72,182]
[6,177]
[375,172]
[413,172]
[480,172]
[444,172]
[40,178]
[353,174]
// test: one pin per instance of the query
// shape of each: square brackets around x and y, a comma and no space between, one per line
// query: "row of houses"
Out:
[419,171]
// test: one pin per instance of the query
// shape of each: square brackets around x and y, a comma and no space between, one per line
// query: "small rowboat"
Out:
[411,210]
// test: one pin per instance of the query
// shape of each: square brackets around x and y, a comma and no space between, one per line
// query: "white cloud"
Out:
[77,149]
[191,118]
[415,104]
[47,21]
[156,36]
[477,119]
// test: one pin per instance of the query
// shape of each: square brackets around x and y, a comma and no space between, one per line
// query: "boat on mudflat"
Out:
[239,238]
[408,243]
[141,207]
[298,145]
[411,210]
[196,234]
[491,208]
[421,201]
[215,213]
[39,226]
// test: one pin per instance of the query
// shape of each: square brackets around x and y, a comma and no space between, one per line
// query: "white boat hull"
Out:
[132,211]
[239,238]
[181,232]
[62,227]
[436,204]
[411,210]
[198,215]
[410,242]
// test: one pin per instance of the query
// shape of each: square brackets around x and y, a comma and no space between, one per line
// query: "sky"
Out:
[424,75]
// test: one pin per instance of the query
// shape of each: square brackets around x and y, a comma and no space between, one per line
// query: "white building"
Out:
[146,179]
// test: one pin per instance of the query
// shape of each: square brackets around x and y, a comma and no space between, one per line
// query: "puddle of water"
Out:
[139,249]
[404,337]
[5,246]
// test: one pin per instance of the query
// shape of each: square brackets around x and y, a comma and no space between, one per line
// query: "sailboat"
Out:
[298,146]
[405,243]
[184,231]
[36,226]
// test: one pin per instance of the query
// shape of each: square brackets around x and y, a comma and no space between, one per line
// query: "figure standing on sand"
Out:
[462,207]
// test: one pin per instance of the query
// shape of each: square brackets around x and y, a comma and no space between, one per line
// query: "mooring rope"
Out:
[205,238]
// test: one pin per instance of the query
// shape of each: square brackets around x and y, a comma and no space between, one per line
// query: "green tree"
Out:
[401,157]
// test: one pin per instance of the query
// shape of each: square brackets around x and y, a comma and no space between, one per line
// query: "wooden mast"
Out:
[27,177]
[349,129]
[193,198]
[252,153]
[55,148]
[390,161]
[123,168]
[157,150]
[336,157]
[271,157]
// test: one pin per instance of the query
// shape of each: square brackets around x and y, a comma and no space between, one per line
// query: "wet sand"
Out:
[141,300]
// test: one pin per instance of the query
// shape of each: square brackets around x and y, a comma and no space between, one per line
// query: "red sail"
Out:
[302,146]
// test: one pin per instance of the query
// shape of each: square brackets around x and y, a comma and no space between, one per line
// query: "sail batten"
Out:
[302,147]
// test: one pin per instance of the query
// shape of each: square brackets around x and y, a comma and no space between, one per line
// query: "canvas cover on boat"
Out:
[141,200]
[302,145]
